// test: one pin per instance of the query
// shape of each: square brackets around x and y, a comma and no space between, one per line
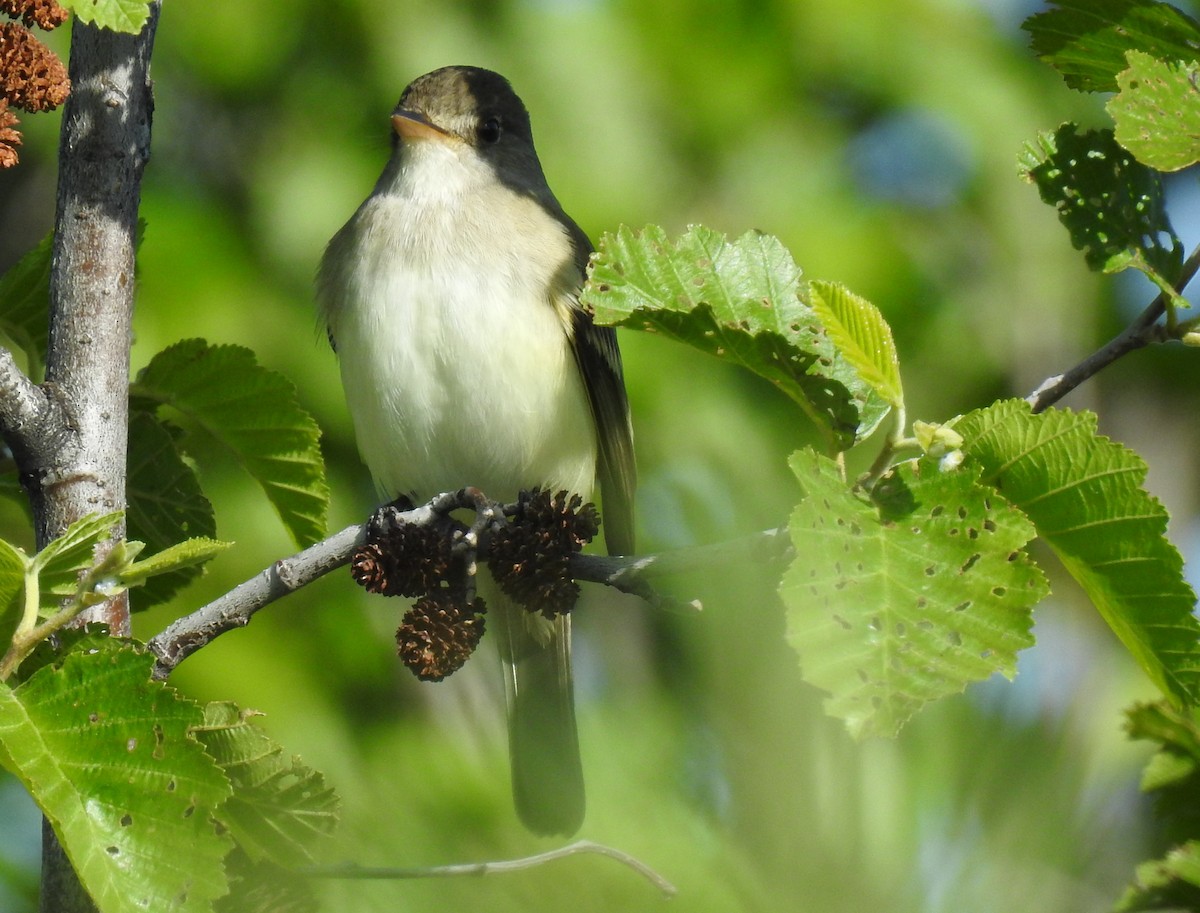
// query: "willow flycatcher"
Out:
[451,297]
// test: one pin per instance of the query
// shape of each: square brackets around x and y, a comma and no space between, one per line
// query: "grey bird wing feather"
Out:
[599,361]
[547,773]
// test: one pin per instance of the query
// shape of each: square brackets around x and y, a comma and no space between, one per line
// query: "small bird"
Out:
[451,298]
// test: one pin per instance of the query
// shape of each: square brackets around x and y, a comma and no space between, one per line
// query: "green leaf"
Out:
[1171,883]
[279,807]
[1084,494]
[1112,204]
[181,555]
[264,887]
[862,336]
[106,754]
[738,300]
[166,504]
[1177,736]
[119,15]
[13,562]
[1157,112]
[905,598]
[63,561]
[253,412]
[1086,40]
[25,304]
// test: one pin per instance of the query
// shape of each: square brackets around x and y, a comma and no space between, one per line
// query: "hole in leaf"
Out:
[93,717]
[999,591]
[874,624]
[113,850]
[985,654]
[922,602]
[989,525]
[131,745]
[963,606]
[970,563]
[972,533]
[126,820]
[937,511]
[841,621]
[954,637]
[189,811]
[930,571]
[171,786]
[962,512]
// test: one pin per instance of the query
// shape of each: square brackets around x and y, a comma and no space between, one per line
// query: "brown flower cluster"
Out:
[32,77]
[530,557]
[405,560]
[438,635]
[45,14]
[442,628]
[10,136]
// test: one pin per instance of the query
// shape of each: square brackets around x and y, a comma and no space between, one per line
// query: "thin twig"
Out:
[1144,330]
[629,574]
[351,870]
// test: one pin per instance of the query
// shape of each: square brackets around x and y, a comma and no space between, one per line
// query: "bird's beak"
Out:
[412,125]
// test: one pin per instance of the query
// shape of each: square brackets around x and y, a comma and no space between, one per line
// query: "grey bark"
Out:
[69,435]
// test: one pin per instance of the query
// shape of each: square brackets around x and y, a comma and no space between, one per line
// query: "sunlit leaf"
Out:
[186,554]
[1086,40]
[253,412]
[1084,494]
[861,335]
[738,300]
[1157,112]
[13,562]
[903,599]
[118,15]
[106,754]
[64,559]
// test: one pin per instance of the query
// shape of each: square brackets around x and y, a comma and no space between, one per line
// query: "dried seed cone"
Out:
[45,14]
[405,560]
[530,557]
[437,635]
[10,136]
[32,76]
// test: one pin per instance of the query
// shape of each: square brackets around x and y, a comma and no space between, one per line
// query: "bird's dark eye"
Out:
[490,130]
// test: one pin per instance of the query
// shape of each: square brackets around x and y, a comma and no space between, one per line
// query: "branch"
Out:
[31,421]
[630,574]
[1144,330]
[491,868]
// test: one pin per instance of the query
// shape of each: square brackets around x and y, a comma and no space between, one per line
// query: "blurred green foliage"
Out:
[879,141]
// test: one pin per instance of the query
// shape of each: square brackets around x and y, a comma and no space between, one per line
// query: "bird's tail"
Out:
[543,744]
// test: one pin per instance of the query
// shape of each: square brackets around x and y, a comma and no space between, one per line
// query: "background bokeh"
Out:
[879,141]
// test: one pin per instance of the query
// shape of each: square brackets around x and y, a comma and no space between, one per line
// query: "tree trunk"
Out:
[103,150]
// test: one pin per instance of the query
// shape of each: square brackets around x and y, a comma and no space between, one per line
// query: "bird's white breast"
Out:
[456,362]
